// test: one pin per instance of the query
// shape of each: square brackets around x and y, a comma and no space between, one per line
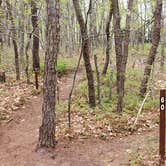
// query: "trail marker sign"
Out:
[162,127]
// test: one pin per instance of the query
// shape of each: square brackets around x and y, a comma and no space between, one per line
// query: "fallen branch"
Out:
[139,111]
[71,92]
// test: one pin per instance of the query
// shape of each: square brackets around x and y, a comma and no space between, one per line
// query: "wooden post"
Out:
[162,127]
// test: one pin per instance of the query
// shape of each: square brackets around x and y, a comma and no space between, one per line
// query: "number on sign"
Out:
[162,99]
[162,107]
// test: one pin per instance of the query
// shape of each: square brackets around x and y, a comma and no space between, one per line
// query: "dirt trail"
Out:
[18,140]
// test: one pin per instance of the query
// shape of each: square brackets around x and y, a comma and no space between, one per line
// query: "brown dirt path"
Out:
[18,140]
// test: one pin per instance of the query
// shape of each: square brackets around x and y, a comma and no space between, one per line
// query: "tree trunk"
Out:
[142,27]
[86,53]
[22,45]
[14,39]
[0,36]
[162,54]
[118,49]
[35,49]
[111,68]
[22,37]
[153,50]
[47,129]
[35,45]
[125,56]
[98,80]
[27,59]
[163,38]
[70,29]
[121,54]
[92,28]
[108,41]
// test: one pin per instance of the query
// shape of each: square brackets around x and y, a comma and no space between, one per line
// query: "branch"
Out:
[139,111]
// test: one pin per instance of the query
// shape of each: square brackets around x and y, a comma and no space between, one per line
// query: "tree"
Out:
[86,53]
[153,50]
[22,32]
[125,52]
[121,54]
[107,30]
[35,46]
[93,26]
[14,39]
[47,129]
[118,49]
[1,40]
[163,37]
[70,28]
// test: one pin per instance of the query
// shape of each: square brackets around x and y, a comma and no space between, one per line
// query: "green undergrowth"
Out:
[107,110]
[132,100]
[103,121]
[64,65]
[140,50]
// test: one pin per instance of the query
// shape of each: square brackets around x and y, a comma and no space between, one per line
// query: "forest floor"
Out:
[18,141]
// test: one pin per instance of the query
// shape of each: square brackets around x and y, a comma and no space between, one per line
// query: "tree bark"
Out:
[35,45]
[124,57]
[86,53]
[121,54]
[111,68]
[47,129]
[153,50]
[70,29]
[108,41]
[0,36]
[14,39]
[163,38]
[118,49]
[27,59]
[92,27]
[22,34]
[98,80]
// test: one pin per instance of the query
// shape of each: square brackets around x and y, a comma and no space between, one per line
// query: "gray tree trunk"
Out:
[108,46]
[22,37]
[121,54]
[14,39]
[35,45]
[86,53]
[153,50]
[47,129]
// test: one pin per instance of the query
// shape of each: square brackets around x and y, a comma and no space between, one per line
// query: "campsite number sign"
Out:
[162,127]
[162,106]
